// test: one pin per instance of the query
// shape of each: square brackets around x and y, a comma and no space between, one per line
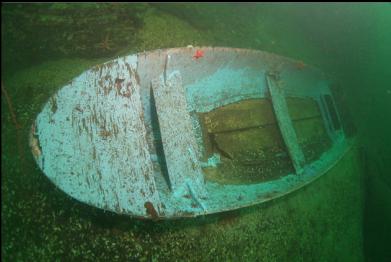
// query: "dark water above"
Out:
[46,45]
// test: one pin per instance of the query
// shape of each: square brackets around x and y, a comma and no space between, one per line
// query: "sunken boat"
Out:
[189,131]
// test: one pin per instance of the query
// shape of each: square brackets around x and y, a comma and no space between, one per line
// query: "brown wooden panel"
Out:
[302,108]
[249,143]
[247,137]
[312,137]
[245,114]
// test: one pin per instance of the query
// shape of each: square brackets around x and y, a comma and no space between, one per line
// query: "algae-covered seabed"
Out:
[44,46]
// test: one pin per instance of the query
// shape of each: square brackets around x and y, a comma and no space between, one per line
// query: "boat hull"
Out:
[126,136]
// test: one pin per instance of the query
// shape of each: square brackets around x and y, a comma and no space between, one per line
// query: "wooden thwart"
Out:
[285,123]
[179,142]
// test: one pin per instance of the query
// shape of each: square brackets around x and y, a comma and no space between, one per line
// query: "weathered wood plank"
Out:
[285,123]
[179,143]
[302,108]
[256,113]
[95,146]
[236,116]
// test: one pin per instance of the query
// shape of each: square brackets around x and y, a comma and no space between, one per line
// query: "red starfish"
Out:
[198,54]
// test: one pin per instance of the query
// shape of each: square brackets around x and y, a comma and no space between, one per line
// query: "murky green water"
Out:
[337,219]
